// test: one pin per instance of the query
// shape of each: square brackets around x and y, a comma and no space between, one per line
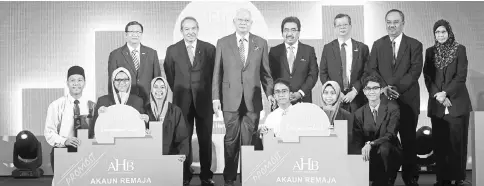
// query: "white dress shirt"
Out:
[61,112]
[274,120]
[295,45]
[397,40]
[246,44]
[349,57]
[137,53]
[194,44]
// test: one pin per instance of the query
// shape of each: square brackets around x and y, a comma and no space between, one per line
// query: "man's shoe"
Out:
[443,183]
[459,183]
[229,183]
[410,182]
[186,182]
[208,182]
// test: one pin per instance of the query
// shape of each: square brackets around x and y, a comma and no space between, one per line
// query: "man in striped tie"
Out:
[141,61]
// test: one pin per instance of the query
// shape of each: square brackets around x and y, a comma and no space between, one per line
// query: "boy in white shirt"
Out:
[281,94]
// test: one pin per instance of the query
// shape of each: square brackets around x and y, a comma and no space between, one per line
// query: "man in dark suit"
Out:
[189,69]
[375,133]
[141,61]
[295,62]
[343,60]
[397,59]
[241,66]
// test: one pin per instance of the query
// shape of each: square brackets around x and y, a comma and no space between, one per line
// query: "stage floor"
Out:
[425,180]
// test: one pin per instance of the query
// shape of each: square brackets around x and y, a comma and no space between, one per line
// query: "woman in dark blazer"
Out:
[449,106]
[121,86]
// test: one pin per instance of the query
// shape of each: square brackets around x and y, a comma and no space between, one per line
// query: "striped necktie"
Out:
[135,59]
[242,50]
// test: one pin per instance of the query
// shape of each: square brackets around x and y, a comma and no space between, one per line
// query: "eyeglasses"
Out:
[125,81]
[343,25]
[371,88]
[284,91]
[134,32]
[243,20]
[290,30]
[393,23]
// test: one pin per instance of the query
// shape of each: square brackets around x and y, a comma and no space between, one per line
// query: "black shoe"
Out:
[208,182]
[410,182]
[459,183]
[443,183]
[186,182]
[229,183]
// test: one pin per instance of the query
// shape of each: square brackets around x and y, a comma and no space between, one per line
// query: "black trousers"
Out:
[241,128]
[204,125]
[450,146]
[408,135]
[385,160]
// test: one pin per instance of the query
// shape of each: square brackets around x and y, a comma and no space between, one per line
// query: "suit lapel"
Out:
[401,51]
[197,57]
[251,50]
[337,53]
[182,51]
[382,112]
[388,54]
[128,58]
[353,61]
[235,48]
[283,59]
[298,58]
[143,53]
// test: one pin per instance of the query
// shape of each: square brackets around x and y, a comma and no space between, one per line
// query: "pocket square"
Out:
[356,50]
[143,53]
[256,48]
[303,60]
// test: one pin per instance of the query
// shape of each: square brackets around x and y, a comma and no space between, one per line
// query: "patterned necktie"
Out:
[77,118]
[135,59]
[374,115]
[190,53]
[343,63]
[394,53]
[291,57]
[242,50]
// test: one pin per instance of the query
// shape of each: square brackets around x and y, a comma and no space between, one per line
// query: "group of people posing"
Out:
[377,91]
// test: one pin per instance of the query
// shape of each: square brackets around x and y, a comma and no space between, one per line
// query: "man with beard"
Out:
[295,62]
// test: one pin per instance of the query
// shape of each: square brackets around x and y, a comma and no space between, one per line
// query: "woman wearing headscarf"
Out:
[121,87]
[449,106]
[175,132]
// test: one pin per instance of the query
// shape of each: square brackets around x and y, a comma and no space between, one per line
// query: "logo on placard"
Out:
[306,165]
[125,166]
[119,168]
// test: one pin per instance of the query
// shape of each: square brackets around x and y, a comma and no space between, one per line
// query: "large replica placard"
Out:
[477,144]
[307,153]
[133,159]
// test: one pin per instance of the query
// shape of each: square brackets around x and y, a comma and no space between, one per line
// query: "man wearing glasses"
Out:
[375,134]
[141,61]
[295,62]
[343,60]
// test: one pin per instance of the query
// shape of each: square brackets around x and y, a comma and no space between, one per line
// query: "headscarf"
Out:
[159,114]
[117,98]
[332,110]
[446,52]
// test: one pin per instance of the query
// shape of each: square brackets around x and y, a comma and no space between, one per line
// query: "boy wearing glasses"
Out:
[141,61]
[282,95]
[294,61]
[375,133]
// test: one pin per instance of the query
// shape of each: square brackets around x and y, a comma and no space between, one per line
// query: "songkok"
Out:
[75,70]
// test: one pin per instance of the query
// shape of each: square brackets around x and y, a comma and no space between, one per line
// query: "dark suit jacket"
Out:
[108,100]
[141,79]
[232,80]
[451,79]
[304,74]
[406,71]
[191,82]
[331,67]
[385,130]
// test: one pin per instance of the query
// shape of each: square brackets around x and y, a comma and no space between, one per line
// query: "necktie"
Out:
[191,55]
[343,62]
[242,50]
[77,118]
[394,53]
[135,59]
[291,57]
[374,115]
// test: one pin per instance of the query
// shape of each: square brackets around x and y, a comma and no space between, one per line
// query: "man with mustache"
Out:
[241,66]
[397,59]
[294,62]
[189,69]
[141,61]
[343,60]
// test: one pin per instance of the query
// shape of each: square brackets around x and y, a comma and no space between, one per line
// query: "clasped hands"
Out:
[442,98]
[391,92]
[144,117]
[217,106]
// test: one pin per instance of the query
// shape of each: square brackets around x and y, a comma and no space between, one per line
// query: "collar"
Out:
[340,42]
[194,44]
[398,39]
[71,99]
[131,48]
[240,37]
[295,45]
[374,108]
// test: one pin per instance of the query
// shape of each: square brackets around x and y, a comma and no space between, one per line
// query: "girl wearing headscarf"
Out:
[449,105]
[331,96]
[121,87]
[175,132]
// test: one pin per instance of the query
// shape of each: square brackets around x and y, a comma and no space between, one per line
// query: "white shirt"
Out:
[349,56]
[274,120]
[375,108]
[194,44]
[246,44]
[61,112]
[137,49]
[293,50]
[397,40]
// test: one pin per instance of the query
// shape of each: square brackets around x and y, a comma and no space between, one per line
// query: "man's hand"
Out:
[182,158]
[440,96]
[348,98]
[263,129]
[365,151]
[391,92]
[272,101]
[216,107]
[73,142]
[102,109]
[147,131]
[144,117]
[447,103]
[295,96]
